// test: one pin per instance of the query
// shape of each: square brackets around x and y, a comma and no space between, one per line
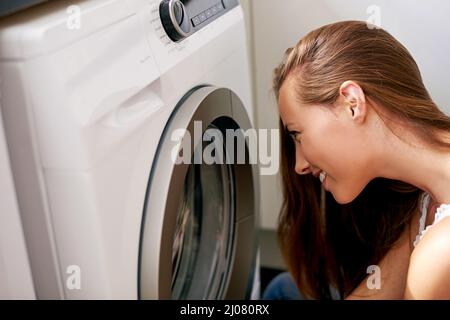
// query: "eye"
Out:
[295,135]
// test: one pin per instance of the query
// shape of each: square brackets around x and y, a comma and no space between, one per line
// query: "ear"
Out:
[354,100]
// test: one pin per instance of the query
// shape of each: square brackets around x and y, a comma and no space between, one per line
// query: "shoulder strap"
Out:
[423,211]
[424,202]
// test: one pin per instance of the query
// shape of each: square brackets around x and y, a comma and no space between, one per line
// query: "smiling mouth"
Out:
[322,176]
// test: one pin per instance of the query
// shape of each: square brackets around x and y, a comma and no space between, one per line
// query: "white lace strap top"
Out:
[441,212]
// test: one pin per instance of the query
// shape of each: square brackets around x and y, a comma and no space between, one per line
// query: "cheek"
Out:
[340,147]
[335,152]
[349,177]
[326,149]
[314,152]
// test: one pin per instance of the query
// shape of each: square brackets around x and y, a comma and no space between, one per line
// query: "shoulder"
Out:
[429,268]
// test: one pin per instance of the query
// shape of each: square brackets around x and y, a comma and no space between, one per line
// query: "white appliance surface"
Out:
[84,111]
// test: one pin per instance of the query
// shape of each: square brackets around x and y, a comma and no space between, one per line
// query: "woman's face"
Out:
[329,139]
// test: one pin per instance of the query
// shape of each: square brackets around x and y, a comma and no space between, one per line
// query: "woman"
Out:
[365,149]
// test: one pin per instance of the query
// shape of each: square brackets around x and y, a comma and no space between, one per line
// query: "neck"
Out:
[425,167]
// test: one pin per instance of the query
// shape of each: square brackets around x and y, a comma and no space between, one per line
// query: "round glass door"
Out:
[203,236]
[198,236]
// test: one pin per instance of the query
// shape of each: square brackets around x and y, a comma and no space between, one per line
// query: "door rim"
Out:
[166,178]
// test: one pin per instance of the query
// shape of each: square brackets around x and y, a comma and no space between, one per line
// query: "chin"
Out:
[342,200]
[344,197]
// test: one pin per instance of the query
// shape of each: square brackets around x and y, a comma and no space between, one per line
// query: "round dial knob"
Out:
[175,19]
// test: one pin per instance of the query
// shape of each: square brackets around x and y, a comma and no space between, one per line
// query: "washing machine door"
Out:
[198,237]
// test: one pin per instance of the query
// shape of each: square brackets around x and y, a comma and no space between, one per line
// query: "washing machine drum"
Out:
[198,236]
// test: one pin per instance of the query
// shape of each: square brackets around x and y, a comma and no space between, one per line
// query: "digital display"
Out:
[11,6]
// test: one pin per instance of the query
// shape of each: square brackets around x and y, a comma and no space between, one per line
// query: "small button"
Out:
[202,16]
[196,21]
[208,13]
[214,10]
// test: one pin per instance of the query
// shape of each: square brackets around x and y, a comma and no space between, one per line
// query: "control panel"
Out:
[182,18]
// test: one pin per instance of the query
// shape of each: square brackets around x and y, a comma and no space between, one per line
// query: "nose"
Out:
[302,166]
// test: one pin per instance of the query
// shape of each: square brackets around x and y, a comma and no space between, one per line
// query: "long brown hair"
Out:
[325,243]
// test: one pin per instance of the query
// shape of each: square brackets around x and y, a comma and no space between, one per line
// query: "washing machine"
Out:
[15,273]
[12,6]
[101,99]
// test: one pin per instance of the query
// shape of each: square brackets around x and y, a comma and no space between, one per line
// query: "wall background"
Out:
[421,26]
